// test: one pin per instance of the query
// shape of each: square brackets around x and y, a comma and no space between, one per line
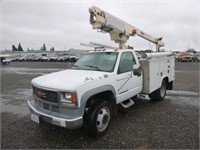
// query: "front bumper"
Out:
[38,116]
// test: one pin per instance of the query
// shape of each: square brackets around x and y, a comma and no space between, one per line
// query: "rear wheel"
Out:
[159,94]
[99,118]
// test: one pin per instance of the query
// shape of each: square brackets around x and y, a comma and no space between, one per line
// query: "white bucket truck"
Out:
[99,81]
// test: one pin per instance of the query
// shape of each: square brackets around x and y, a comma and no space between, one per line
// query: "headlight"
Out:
[70,98]
[67,96]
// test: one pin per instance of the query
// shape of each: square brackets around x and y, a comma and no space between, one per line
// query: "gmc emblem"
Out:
[41,94]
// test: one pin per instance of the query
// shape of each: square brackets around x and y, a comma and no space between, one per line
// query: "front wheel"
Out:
[159,94]
[99,118]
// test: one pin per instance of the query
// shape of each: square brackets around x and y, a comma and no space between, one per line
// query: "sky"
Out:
[64,24]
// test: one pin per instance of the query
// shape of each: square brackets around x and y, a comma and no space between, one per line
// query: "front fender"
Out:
[93,92]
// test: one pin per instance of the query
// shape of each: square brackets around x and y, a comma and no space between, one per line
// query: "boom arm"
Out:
[119,30]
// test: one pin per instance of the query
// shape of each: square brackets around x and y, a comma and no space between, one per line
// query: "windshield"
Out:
[97,61]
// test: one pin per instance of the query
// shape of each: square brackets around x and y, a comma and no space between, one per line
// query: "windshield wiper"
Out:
[97,68]
[75,66]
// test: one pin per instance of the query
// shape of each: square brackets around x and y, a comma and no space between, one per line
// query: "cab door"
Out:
[128,84]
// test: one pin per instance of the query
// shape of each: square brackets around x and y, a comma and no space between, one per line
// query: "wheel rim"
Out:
[163,90]
[103,118]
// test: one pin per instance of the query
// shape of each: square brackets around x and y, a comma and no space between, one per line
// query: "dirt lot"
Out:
[170,124]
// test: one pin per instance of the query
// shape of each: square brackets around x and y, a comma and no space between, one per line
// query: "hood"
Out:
[68,79]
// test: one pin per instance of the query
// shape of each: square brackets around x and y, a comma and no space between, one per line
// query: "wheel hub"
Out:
[103,119]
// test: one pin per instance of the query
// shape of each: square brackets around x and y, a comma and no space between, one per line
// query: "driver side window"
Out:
[126,62]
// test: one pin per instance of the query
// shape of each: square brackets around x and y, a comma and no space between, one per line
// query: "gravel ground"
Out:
[170,124]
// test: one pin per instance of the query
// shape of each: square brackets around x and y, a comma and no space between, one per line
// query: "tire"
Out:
[99,118]
[159,94]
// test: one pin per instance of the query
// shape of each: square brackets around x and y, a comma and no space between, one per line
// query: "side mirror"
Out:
[137,70]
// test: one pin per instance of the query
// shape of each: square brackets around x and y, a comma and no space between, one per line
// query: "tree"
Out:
[43,48]
[20,47]
[52,49]
[14,48]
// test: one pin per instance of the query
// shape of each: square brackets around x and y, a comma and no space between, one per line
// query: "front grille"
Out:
[46,95]
[55,108]
[46,106]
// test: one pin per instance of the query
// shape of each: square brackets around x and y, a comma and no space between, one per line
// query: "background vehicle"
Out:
[30,58]
[196,57]
[44,58]
[5,59]
[53,58]
[185,57]
[73,58]
[63,58]
[22,58]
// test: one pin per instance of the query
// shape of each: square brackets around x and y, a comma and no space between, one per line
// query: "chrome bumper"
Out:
[39,116]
